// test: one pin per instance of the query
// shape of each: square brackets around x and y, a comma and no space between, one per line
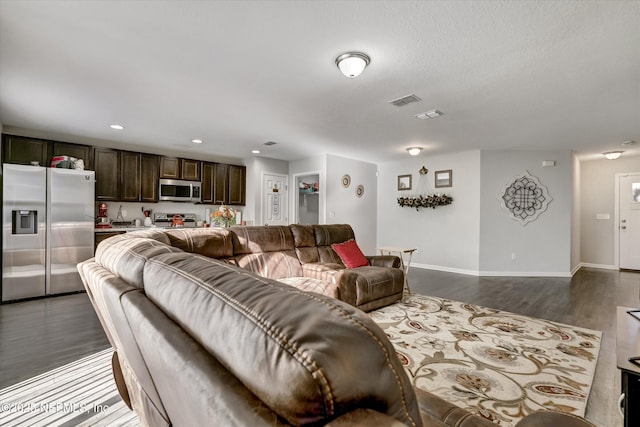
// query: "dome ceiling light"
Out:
[352,64]
[414,151]
[613,155]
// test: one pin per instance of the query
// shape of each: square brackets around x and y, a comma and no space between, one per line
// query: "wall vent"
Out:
[270,143]
[405,100]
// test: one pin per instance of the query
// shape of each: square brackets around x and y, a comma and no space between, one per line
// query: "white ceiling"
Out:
[506,74]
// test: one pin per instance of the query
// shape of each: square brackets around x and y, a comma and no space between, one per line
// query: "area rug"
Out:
[79,394]
[499,365]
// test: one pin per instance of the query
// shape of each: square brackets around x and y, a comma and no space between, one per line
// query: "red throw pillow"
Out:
[350,254]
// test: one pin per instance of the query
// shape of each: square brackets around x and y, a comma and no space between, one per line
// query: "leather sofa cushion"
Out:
[304,376]
[326,235]
[309,284]
[273,265]
[125,256]
[258,239]
[210,242]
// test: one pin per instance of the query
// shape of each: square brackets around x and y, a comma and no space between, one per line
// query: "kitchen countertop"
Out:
[122,229]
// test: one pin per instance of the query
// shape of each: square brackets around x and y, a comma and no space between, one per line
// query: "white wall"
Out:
[447,237]
[311,165]
[575,216]
[542,247]
[342,205]
[597,184]
[256,167]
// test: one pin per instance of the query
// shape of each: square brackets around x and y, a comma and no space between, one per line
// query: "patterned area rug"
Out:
[499,365]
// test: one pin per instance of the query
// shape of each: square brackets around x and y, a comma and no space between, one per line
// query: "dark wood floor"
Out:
[39,335]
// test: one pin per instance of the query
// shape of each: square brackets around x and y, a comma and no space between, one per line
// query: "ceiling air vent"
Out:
[270,143]
[429,114]
[405,100]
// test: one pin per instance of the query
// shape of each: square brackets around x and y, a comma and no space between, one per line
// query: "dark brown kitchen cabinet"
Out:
[223,184]
[73,150]
[237,185]
[23,150]
[206,191]
[107,167]
[220,184]
[169,167]
[175,168]
[190,169]
[139,177]
[130,176]
[149,172]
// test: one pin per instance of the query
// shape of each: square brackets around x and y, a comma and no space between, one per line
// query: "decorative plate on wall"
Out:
[346,181]
[525,198]
[359,190]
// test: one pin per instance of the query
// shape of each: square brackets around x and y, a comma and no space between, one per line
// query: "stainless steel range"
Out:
[174,220]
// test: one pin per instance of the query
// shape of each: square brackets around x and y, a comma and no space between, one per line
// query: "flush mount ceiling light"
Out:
[255,151]
[613,155]
[352,64]
[196,141]
[116,127]
[414,151]
[429,114]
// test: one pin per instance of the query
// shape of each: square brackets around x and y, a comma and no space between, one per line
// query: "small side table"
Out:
[388,250]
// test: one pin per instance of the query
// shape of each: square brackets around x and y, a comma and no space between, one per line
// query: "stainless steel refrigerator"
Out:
[48,227]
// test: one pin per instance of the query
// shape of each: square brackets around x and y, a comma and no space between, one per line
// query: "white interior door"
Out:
[274,199]
[629,225]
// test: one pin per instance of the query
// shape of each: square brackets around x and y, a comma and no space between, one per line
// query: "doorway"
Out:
[628,220]
[307,200]
[274,199]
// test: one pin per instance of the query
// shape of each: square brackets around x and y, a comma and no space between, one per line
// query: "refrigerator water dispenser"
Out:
[24,222]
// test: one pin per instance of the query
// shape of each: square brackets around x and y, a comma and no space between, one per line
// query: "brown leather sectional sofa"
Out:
[300,256]
[201,341]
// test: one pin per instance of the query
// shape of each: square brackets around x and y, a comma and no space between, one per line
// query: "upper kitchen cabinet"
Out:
[73,150]
[107,167]
[23,150]
[237,185]
[149,172]
[129,176]
[175,168]
[223,184]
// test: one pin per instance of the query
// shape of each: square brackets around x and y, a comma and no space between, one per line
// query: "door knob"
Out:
[623,227]
[623,220]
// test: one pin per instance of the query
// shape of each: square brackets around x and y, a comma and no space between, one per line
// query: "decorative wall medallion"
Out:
[525,198]
[359,190]
[346,181]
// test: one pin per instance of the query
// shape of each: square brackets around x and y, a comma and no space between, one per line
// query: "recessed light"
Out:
[117,127]
[429,114]
[255,151]
[196,141]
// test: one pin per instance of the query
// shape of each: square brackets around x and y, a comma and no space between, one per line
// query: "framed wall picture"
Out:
[444,178]
[404,182]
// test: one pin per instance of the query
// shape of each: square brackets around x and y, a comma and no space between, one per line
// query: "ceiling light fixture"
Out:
[414,151]
[117,127]
[613,155]
[352,64]
[255,151]
[196,141]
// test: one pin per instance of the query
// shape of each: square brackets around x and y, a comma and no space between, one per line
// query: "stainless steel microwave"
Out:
[175,190]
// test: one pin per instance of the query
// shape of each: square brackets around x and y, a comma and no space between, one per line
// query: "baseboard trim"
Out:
[601,266]
[493,273]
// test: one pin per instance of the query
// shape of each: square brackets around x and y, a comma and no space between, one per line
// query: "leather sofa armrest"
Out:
[437,409]
[365,417]
[552,418]
[389,261]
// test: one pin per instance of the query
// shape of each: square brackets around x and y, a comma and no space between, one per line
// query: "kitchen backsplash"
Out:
[131,211]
